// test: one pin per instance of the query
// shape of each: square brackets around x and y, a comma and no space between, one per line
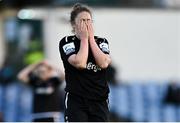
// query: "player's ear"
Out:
[73,27]
[73,24]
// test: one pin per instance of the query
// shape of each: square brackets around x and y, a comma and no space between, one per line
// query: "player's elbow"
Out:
[22,78]
[76,62]
[105,64]
[81,65]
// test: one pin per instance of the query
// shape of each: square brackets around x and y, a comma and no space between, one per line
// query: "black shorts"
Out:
[78,109]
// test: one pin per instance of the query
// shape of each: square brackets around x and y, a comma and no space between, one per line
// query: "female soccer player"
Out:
[85,58]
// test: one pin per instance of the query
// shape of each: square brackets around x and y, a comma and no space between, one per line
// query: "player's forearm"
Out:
[82,55]
[23,74]
[102,60]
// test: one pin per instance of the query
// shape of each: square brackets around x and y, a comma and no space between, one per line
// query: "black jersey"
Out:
[46,94]
[91,82]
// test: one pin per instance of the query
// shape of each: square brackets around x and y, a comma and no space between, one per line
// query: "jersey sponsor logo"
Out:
[104,47]
[69,48]
[91,66]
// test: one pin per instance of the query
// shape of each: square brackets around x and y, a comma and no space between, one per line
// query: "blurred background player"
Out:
[45,80]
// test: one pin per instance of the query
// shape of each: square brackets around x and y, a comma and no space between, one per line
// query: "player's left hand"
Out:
[90,30]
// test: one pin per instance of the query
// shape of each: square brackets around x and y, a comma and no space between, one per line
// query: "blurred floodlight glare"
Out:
[32,14]
[26,14]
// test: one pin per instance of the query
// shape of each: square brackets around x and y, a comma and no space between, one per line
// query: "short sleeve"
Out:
[104,45]
[66,48]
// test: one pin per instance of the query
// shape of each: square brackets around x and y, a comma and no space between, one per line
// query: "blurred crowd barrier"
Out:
[145,102]
[134,101]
